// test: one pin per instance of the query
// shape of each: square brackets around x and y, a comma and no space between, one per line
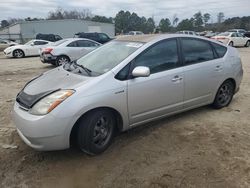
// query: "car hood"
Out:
[48,83]
[15,47]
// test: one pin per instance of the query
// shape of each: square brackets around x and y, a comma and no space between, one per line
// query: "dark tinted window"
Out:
[85,43]
[220,50]
[103,36]
[72,44]
[40,43]
[196,51]
[160,57]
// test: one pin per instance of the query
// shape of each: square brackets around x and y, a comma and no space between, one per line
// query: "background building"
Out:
[24,31]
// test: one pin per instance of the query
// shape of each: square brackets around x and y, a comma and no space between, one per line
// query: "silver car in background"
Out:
[66,50]
[124,83]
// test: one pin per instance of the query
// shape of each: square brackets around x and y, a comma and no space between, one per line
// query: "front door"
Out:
[162,92]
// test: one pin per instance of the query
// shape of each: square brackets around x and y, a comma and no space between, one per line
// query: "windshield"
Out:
[108,56]
[224,34]
[59,42]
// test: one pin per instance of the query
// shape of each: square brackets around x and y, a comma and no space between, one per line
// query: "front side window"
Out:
[162,56]
[196,51]
[239,35]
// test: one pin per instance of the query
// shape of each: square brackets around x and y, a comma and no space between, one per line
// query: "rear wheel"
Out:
[61,60]
[224,95]
[231,43]
[96,131]
[18,53]
[247,44]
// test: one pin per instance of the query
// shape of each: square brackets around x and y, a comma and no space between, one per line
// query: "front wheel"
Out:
[18,53]
[224,95]
[231,43]
[96,131]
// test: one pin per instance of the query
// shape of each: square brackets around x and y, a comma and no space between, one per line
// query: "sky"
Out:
[149,8]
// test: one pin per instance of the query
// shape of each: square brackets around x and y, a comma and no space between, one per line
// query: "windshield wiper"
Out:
[88,71]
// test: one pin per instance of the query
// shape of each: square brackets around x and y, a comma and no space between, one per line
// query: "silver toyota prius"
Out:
[126,82]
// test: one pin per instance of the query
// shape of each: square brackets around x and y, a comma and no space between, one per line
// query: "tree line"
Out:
[126,21]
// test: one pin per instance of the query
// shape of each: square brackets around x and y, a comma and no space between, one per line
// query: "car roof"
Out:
[40,40]
[69,40]
[150,37]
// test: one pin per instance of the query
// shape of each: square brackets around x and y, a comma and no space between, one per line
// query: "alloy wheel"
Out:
[102,131]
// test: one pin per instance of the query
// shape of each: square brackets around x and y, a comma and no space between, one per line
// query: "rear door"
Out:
[242,39]
[162,92]
[202,71]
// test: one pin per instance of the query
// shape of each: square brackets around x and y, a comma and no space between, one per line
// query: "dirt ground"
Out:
[200,148]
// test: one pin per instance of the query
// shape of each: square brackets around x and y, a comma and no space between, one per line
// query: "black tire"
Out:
[247,44]
[61,60]
[231,44]
[224,95]
[96,131]
[18,53]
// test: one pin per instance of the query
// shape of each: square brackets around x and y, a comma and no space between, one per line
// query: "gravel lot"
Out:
[200,148]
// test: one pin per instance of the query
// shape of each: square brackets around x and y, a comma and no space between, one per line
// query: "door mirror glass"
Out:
[141,71]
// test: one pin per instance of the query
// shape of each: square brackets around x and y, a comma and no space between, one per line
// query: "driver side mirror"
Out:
[32,44]
[141,71]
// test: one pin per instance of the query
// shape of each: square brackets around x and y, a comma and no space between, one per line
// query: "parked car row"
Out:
[233,37]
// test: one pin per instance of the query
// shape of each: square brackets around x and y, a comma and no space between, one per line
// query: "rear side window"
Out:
[40,43]
[196,51]
[219,49]
[72,44]
[85,43]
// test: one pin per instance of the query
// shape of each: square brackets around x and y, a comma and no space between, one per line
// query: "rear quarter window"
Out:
[219,49]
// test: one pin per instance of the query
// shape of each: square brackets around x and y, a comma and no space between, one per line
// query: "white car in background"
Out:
[6,43]
[67,50]
[187,32]
[232,39]
[30,48]
[135,33]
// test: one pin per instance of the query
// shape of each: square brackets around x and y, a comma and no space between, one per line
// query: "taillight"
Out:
[47,50]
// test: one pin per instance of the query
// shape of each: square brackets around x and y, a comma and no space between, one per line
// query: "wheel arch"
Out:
[64,56]
[228,79]
[20,50]
[118,118]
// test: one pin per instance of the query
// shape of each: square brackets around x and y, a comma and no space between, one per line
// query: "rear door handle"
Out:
[177,78]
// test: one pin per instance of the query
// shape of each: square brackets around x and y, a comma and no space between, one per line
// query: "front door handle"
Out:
[218,68]
[177,78]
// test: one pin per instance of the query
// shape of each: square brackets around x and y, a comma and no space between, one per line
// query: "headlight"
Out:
[48,103]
